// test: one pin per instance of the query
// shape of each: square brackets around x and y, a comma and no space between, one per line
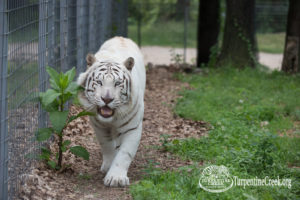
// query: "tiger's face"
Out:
[107,86]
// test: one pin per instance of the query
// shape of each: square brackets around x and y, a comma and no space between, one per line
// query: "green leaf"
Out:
[43,134]
[56,156]
[45,155]
[52,164]
[65,144]
[45,150]
[176,141]
[58,120]
[52,106]
[63,81]
[72,88]
[63,148]
[82,113]
[49,96]
[67,96]
[80,151]
[71,74]
[54,85]
[54,77]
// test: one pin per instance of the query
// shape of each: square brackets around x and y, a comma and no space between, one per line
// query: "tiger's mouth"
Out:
[105,111]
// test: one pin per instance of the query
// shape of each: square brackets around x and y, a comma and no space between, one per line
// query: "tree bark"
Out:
[239,43]
[208,29]
[290,63]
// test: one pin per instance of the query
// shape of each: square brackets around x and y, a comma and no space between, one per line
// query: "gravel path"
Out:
[162,55]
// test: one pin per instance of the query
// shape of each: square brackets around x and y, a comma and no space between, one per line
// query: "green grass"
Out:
[22,83]
[171,34]
[271,42]
[236,103]
[29,34]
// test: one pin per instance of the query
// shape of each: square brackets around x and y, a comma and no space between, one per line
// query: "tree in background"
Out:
[291,63]
[239,43]
[143,13]
[208,29]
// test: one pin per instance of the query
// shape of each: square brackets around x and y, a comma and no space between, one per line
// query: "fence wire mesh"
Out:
[35,34]
[59,33]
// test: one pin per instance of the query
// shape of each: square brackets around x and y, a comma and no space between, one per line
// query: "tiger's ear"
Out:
[129,63]
[90,59]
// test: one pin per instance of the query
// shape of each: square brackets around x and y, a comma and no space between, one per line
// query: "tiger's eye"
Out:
[117,83]
[99,82]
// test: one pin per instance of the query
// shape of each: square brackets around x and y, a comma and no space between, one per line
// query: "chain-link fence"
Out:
[168,23]
[173,23]
[271,17]
[35,34]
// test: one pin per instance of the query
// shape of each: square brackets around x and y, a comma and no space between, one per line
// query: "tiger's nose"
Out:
[107,100]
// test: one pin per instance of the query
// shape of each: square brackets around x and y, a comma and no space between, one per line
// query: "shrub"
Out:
[62,90]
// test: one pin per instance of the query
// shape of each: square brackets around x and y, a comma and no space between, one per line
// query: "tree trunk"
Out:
[208,29]
[290,63]
[239,43]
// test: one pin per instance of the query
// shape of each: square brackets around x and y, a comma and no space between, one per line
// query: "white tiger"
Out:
[114,85]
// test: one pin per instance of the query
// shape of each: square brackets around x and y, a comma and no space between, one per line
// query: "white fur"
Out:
[116,161]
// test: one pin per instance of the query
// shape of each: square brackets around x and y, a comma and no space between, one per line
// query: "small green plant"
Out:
[176,58]
[213,57]
[164,141]
[84,176]
[53,101]
[152,168]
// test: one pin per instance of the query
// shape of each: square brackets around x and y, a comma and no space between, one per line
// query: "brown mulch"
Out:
[83,179]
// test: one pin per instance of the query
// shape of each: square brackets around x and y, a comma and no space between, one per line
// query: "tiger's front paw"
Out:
[105,167]
[115,180]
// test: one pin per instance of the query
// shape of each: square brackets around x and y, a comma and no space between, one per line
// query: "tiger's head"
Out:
[107,86]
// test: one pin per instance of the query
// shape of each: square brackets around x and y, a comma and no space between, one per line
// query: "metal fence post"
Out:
[85,36]
[105,15]
[79,32]
[98,25]
[71,35]
[63,34]
[3,101]
[42,56]
[186,19]
[51,35]
[92,26]
[57,35]
[120,14]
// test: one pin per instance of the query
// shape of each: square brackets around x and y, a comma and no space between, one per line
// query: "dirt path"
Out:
[162,55]
[83,179]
